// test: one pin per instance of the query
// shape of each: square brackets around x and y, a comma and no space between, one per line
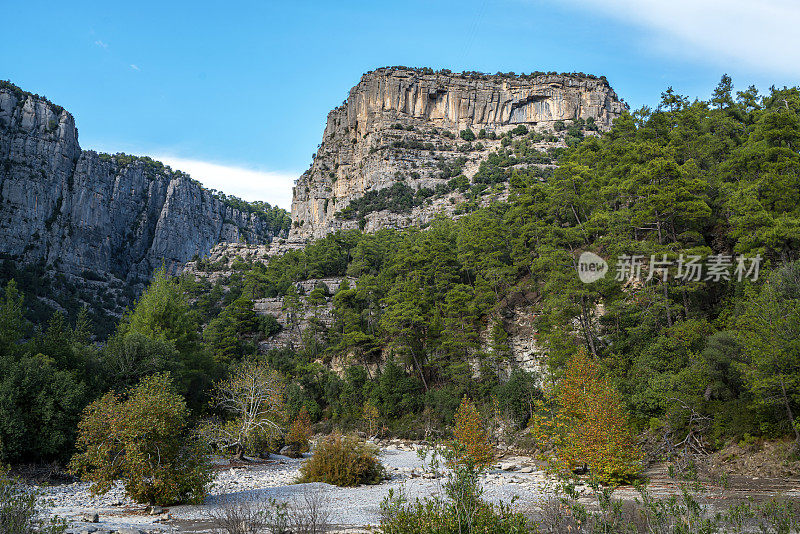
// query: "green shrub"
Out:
[520,130]
[343,461]
[143,440]
[467,135]
[434,516]
[18,510]
[463,512]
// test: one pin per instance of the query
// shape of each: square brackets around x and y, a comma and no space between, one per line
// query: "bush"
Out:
[467,135]
[305,514]
[463,512]
[343,461]
[520,130]
[432,516]
[687,512]
[18,513]
[143,440]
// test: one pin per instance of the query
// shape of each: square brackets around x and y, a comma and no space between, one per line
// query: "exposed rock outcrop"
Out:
[402,125]
[84,213]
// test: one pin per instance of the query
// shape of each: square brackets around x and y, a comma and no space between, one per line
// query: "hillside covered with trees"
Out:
[716,179]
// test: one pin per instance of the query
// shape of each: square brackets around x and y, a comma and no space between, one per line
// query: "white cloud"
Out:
[101,44]
[762,35]
[249,184]
[134,67]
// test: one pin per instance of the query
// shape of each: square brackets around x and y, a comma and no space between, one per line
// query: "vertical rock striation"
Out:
[82,212]
[355,157]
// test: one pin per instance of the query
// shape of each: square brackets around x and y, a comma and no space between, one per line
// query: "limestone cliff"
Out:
[403,125]
[98,216]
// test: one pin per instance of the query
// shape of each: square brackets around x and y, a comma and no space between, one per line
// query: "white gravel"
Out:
[349,507]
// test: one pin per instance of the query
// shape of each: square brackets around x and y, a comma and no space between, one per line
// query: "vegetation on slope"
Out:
[717,177]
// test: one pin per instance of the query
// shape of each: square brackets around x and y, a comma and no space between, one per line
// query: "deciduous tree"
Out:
[584,422]
[250,401]
[143,438]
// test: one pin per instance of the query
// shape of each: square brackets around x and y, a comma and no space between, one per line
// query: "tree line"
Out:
[426,320]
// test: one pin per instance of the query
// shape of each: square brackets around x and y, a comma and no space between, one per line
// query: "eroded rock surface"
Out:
[97,217]
[402,125]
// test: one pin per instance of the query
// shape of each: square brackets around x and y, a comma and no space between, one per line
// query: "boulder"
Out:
[90,517]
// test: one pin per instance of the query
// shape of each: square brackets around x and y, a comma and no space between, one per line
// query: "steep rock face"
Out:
[83,211]
[422,113]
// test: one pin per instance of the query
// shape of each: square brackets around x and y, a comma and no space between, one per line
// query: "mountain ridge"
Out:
[94,217]
[403,125]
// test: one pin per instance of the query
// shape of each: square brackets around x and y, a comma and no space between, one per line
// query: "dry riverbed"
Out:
[351,509]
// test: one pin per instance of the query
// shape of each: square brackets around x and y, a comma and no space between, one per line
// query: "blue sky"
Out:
[237,93]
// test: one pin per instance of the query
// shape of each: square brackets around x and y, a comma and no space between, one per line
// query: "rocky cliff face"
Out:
[403,125]
[85,213]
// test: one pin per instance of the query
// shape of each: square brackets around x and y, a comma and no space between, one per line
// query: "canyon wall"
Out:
[403,125]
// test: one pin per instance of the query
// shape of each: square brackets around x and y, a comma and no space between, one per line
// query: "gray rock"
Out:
[154,510]
[379,137]
[90,517]
[508,466]
[116,217]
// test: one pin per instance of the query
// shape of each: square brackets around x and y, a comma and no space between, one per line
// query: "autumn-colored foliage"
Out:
[343,461]
[142,439]
[584,421]
[371,416]
[471,445]
[300,432]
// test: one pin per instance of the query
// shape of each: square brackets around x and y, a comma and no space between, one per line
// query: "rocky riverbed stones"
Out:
[351,508]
